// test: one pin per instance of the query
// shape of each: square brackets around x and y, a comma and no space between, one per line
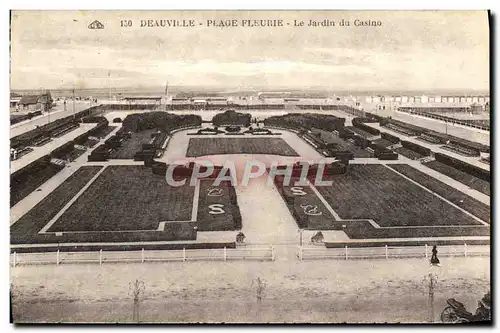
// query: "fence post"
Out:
[272,253]
[465,249]
[225,254]
[184,254]
[57,257]
[142,255]
[386,252]
[346,257]
[426,255]
[100,257]
[300,253]
[14,263]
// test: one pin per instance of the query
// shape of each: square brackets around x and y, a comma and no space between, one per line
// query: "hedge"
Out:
[99,154]
[158,168]
[113,142]
[463,166]
[361,142]
[416,129]
[63,150]
[416,148]
[232,117]
[148,161]
[390,137]
[163,121]
[34,166]
[387,155]
[343,155]
[121,247]
[336,168]
[306,121]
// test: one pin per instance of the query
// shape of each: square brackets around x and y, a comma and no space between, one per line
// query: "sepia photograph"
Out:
[250,166]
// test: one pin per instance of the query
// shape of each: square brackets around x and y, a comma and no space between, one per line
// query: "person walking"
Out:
[434,258]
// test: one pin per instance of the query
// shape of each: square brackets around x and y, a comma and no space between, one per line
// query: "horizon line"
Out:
[249,88]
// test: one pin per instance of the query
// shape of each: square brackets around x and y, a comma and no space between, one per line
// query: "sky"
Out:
[410,50]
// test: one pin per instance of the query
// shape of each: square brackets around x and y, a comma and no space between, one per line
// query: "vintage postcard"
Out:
[250,167]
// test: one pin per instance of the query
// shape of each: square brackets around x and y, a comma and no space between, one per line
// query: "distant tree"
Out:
[136,290]
[260,288]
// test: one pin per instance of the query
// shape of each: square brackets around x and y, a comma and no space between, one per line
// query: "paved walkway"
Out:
[48,147]
[452,182]
[266,219]
[460,131]
[23,206]
[57,113]
[434,147]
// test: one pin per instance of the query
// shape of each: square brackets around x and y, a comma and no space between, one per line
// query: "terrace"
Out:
[48,147]
[474,161]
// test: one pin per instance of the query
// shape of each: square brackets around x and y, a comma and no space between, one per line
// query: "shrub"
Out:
[463,166]
[232,117]
[390,137]
[100,154]
[387,155]
[343,155]
[359,123]
[62,150]
[159,168]
[416,148]
[161,120]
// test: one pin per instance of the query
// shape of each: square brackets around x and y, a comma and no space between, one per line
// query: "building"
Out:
[14,100]
[218,101]
[42,102]
[143,100]
[273,94]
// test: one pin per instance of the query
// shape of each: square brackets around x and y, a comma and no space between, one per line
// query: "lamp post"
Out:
[74,103]
[300,233]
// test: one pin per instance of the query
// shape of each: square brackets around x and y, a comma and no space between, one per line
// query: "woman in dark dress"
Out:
[434,258]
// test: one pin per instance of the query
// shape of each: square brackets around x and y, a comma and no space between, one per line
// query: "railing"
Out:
[391,252]
[100,257]
[462,122]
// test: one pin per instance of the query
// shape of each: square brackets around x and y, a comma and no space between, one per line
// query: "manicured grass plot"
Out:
[476,183]
[216,207]
[460,199]
[375,192]
[217,146]
[127,198]
[26,228]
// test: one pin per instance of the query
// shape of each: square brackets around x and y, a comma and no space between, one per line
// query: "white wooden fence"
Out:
[390,252]
[101,257]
